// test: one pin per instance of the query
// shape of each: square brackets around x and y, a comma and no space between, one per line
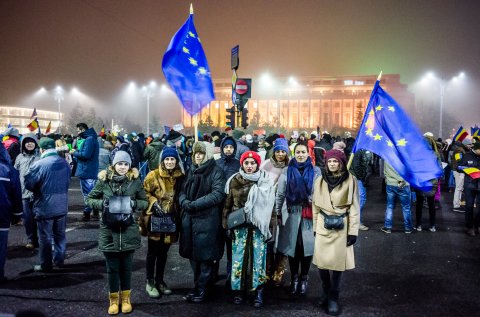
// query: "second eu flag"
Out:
[387,131]
[186,69]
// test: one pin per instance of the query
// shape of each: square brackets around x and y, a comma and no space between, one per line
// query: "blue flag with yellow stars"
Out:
[388,131]
[186,68]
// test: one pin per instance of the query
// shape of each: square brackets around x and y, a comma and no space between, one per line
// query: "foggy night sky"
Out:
[99,46]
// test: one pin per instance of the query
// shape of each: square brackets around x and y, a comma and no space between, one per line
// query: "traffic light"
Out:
[231,118]
[244,118]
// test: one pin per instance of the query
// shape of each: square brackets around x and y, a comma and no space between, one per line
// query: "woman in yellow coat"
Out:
[335,194]
[162,187]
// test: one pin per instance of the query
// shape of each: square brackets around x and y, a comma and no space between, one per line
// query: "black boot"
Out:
[294,286]
[324,297]
[258,300]
[238,297]
[198,296]
[303,285]
[333,308]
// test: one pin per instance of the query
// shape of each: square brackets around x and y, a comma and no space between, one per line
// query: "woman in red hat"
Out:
[252,190]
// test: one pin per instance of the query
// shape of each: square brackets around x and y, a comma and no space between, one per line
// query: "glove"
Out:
[156,208]
[133,204]
[105,202]
[189,206]
[351,240]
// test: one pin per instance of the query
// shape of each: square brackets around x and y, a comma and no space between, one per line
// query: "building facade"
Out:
[19,118]
[307,103]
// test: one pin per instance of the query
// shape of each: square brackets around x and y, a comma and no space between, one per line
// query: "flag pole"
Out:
[195,123]
[350,159]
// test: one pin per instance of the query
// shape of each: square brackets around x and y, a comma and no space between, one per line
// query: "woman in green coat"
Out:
[118,244]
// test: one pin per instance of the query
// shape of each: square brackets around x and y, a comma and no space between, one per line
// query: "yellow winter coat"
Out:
[162,187]
[331,251]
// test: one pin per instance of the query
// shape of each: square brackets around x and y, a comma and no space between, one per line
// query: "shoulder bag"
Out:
[161,222]
[333,222]
[236,219]
[117,213]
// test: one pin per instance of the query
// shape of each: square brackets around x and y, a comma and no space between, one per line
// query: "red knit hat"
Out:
[228,129]
[336,154]
[250,154]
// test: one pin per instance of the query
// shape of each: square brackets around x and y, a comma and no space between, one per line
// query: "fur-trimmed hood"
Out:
[108,174]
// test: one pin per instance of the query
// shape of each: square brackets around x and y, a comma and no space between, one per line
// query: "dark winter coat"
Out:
[360,163]
[10,191]
[470,159]
[152,153]
[201,199]
[48,179]
[87,155]
[229,164]
[106,186]
[137,152]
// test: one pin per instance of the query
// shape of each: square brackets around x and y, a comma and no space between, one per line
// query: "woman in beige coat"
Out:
[335,193]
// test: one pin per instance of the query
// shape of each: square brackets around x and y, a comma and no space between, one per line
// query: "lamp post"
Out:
[59,97]
[148,93]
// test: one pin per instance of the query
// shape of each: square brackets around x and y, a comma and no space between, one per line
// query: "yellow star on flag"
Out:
[185,50]
[371,112]
[193,61]
[378,108]
[202,70]
[391,108]
[377,137]
[402,142]
[369,131]
[389,143]
[191,34]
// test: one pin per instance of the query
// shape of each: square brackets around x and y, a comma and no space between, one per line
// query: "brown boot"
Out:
[114,302]
[280,268]
[126,305]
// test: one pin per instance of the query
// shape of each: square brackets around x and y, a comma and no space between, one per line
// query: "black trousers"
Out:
[119,270]
[156,260]
[202,273]
[331,282]
[299,258]
[419,208]
[471,197]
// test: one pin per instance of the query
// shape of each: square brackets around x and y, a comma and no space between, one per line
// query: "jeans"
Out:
[29,221]
[363,196]
[404,196]
[49,230]
[3,251]
[457,196]
[87,184]
[472,197]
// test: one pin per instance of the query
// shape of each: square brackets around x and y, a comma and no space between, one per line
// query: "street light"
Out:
[148,92]
[59,97]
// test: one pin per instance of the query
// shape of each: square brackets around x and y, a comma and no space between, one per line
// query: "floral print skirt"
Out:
[249,259]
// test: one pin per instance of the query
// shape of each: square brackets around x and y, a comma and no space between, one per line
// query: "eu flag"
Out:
[186,68]
[387,131]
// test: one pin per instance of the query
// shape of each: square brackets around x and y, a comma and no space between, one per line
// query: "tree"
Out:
[360,111]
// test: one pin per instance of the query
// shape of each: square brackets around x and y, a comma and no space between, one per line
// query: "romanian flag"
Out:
[34,113]
[475,131]
[32,126]
[102,132]
[49,127]
[471,171]
[460,135]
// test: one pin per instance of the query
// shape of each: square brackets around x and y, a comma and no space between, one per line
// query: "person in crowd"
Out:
[359,169]
[12,143]
[87,163]
[340,145]
[335,194]
[397,187]
[459,150]
[10,204]
[152,152]
[292,142]
[230,166]
[118,242]
[326,141]
[251,143]
[241,147]
[269,144]
[121,145]
[201,234]
[430,195]
[472,190]
[103,155]
[30,154]
[49,179]
[136,148]
[274,166]
[162,187]
[294,207]
[349,142]
[252,190]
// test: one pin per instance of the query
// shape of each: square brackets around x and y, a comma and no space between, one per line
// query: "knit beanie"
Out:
[339,146]
[46,143]
[122,156]
[237,134]
[251,154]
[339,155]
[174,136]
[281,145]
[169,152]
[228,141]
[467,141]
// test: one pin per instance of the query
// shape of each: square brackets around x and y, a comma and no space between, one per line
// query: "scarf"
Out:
[333,181]
[299,185]
[260,200]
[277,164]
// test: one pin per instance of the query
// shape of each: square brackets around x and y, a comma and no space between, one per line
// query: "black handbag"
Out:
[117,214]
[162,222]
[236,219]
[333,222]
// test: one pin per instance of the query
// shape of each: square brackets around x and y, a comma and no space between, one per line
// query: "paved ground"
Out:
[421,274]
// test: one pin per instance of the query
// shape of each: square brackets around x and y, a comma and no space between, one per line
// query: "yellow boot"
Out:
[126,305]
[114,302]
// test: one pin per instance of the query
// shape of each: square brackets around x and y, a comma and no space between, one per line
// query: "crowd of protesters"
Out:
[298,201]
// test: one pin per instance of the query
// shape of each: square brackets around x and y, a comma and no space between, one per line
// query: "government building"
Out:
[19,118]
[329,103]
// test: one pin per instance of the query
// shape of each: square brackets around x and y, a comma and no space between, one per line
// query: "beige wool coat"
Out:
[331,251]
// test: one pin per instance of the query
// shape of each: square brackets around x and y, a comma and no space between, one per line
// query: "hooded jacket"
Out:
[229,164]
[24,161]
[152,153]
[87,155]
[10,191]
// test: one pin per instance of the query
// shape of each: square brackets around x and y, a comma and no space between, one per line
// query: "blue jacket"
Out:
[10,191]
[49,179]
[87,155]
[229,164]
